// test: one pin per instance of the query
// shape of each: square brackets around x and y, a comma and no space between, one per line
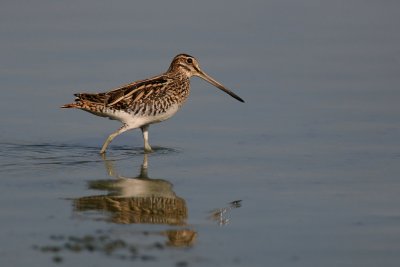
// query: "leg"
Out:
[124,128]
[143,169]
[145,131]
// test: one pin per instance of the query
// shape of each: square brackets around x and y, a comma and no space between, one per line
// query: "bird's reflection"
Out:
[140,199]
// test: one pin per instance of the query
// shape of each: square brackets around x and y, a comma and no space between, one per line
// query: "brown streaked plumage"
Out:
[145,102]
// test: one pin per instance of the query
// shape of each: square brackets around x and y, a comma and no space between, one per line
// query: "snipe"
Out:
[145,102]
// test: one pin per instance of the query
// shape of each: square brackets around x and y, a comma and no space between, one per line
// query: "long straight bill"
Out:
[206,77]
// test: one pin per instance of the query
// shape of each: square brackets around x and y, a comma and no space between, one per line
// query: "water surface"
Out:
[304,173]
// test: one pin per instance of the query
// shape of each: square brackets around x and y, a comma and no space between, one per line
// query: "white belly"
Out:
[140,120]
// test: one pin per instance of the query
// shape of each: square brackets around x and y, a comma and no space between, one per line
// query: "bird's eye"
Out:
[189,60]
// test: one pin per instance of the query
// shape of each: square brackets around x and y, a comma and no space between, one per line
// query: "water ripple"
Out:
[42,155]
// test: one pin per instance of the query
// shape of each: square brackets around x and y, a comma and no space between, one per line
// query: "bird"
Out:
[142,103]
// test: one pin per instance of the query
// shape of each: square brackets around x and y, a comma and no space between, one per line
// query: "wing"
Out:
[138,91]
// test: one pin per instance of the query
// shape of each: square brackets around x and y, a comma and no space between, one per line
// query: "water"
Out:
[304,173]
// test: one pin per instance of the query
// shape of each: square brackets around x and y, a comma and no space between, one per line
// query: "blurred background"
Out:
[313,153]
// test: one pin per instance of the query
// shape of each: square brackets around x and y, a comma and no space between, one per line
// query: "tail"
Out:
[84,100]
[72,105]
[79,99]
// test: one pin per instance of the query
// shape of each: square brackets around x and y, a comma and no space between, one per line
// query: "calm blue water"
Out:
[305,173]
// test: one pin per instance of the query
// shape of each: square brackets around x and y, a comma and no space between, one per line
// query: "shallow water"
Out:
[304,173]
